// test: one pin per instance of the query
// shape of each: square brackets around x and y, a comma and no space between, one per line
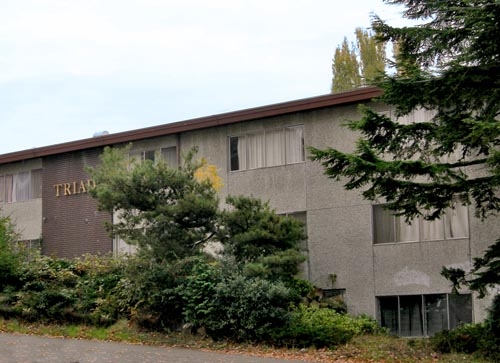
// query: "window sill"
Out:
[426,241]
[267,167]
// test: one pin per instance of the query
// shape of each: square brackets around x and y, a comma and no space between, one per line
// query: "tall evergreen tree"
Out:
[359,63]
[450,64]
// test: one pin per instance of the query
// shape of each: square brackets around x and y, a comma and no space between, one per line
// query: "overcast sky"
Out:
[70,68]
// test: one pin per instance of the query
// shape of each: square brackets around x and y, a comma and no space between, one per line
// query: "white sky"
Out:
[70,68]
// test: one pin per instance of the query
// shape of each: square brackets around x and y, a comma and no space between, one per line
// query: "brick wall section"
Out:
[71,223]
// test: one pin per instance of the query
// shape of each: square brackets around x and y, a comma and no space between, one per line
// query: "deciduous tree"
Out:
[358,63]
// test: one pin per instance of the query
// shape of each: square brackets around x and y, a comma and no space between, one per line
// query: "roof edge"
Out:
[344,98]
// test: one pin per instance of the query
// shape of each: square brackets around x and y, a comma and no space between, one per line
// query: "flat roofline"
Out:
[339,99]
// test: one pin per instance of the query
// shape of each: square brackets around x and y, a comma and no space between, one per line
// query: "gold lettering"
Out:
[57,187]
[67,189]
[82,188]
[74,187]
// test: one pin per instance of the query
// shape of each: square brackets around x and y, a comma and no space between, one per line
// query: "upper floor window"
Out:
[390,228]
[168,154]
[18,187]
[267,148]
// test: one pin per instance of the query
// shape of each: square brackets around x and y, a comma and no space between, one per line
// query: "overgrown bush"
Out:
[9,259]
[163,295]
[322,327]
[97,286]
[482,339]
[46,290]
[198,291]
[464,339]
[490,346]
[79,290]
[150,294]
[249,309]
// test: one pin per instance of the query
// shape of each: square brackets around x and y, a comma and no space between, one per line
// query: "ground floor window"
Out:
[424,315]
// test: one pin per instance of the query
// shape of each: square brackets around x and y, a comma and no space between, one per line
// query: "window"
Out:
[8,188]
[304,267]
[424,315]
[141,155]
[417,116]
[264,149]
[21,191]
[2,188]
[169,155]
[301,217]
[390,228]
[31,244]
[36,183]
[21,186]
[149,155]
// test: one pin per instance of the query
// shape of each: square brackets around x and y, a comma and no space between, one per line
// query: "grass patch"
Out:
[390,349]
[361,349]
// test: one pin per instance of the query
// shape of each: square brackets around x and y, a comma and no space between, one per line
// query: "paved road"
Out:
[16,348]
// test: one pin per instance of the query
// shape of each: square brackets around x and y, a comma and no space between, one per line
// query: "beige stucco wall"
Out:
[482,235]
[339,222]
[26,215]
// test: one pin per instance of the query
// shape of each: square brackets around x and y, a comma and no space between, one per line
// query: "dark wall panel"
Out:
[71,224]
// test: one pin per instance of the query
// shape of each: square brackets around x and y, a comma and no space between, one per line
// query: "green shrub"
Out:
[322,327]
[96,288]
[198,290]
[464,339]
[482,339]
[78,290]
[46,290]
[249,309]
[9,259]
[153,299]
[490,344]
[153,293]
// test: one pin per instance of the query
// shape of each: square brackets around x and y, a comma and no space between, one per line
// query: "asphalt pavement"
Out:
[17,348]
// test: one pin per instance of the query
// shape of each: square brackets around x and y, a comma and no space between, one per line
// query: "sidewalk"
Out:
[16,348]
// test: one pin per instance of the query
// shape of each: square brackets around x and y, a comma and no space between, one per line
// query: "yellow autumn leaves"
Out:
[208,172]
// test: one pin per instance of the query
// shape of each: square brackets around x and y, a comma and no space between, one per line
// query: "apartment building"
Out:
[382,266]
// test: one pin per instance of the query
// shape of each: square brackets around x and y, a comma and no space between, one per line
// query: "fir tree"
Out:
[448,64]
